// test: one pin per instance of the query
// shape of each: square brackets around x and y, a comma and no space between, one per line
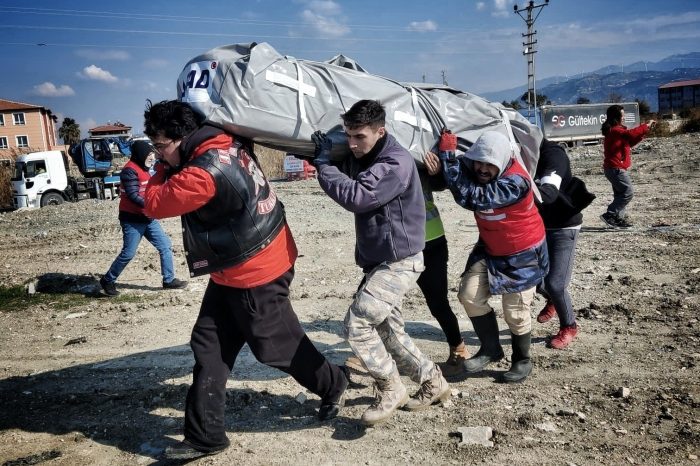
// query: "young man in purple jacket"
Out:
[380,185]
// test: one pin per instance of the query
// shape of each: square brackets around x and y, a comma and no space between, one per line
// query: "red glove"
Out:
[448,141]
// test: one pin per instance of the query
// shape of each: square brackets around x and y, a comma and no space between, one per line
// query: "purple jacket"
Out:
[387,200]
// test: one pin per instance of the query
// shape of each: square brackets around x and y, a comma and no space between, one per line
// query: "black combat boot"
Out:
[521,365]
[486,329]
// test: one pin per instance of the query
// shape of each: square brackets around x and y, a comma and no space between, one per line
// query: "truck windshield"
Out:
[20,170]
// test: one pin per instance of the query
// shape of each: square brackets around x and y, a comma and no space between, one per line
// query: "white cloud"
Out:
[480,6]
[324,25]
[500,4]
[501,8]
[49,89]
[324,17]
[422,26]
[324,7]
[96,54]
[96,73]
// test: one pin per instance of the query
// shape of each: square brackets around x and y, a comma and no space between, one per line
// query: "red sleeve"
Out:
[184,192]
[635,135]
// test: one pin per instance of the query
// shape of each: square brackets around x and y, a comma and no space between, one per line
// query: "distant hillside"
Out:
[639,80]
[641,85]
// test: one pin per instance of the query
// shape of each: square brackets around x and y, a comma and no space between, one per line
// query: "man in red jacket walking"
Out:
[234,229]
[618,160]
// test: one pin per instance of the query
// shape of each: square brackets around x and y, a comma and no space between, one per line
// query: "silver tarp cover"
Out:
[279,101]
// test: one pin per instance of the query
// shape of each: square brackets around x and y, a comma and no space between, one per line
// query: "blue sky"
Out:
[98,62]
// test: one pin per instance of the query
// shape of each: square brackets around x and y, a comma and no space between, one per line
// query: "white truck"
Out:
[41,178]
[575,125]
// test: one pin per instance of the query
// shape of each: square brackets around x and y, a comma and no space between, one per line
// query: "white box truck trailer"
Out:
[574,125]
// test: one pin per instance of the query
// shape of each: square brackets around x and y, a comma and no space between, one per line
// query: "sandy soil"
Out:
[89,380]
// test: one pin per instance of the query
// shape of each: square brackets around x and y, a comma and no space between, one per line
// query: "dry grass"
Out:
[271,161]
[6,170]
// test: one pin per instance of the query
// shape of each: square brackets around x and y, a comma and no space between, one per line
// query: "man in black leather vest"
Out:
[234,229]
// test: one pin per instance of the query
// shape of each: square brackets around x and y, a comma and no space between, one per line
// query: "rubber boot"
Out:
[391,394]
[455,361]
[486,329]
[521,365]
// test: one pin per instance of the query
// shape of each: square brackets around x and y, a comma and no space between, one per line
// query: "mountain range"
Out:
[638,80]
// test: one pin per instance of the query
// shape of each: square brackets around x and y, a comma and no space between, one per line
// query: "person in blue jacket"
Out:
[510,258]
[381,186]
[136,224]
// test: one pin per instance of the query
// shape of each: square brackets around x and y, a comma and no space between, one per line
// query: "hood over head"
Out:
[491,147]
[139,152]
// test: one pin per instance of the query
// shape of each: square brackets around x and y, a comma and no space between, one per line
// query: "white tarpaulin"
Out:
[279,101]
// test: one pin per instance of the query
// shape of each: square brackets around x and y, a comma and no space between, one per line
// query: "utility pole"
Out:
[444,78]
[529,51]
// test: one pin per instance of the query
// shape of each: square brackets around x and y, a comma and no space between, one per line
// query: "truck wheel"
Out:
[51,199]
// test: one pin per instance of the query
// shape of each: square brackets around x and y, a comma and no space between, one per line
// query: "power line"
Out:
[197,19]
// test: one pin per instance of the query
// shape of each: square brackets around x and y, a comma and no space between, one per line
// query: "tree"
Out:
[583,100]
[644,108]
[69,131]
[541,98]
[514,104]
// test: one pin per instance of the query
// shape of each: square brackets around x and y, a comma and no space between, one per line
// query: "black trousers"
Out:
[433,284]
[263,318]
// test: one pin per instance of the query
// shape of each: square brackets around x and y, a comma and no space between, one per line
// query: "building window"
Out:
[3,142]
[18,118]
[2,119]
[22,141]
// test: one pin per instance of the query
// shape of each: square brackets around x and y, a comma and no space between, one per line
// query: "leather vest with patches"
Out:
[240,220]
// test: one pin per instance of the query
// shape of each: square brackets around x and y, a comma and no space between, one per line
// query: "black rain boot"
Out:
[486,328]
[521,365]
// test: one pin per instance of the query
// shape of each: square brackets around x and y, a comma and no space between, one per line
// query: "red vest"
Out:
[514,228]
[125,204]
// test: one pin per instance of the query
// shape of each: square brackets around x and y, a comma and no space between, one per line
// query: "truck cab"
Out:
[39,179]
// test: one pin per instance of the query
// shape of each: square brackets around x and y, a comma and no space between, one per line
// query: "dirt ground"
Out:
[91,380]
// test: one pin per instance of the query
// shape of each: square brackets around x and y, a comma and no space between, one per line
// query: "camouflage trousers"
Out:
[374,326]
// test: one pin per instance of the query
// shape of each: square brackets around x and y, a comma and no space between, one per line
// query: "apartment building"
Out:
[25,127]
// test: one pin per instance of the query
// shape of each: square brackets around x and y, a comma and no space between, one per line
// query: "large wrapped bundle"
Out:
[279,101]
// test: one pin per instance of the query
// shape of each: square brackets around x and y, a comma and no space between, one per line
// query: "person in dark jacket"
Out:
[563,198]
[510,257]
[380,185]
[617,160]
[235,230]
[136,224]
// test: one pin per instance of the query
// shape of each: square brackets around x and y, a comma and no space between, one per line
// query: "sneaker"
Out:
[455,362]
[547,313]
[185,451]
[610,219]
[565,336]
[433,390]
[175,284]
[109,288]
[331,407]
[623,223]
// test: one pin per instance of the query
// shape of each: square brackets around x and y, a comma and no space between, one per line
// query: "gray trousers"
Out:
[374,326]
[561,244]
[622,190]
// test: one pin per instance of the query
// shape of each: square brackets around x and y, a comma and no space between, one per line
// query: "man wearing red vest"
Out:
[136,224]
[235,230]
[510,258]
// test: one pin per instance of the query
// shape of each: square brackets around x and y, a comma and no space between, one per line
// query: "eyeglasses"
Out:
[159,146]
